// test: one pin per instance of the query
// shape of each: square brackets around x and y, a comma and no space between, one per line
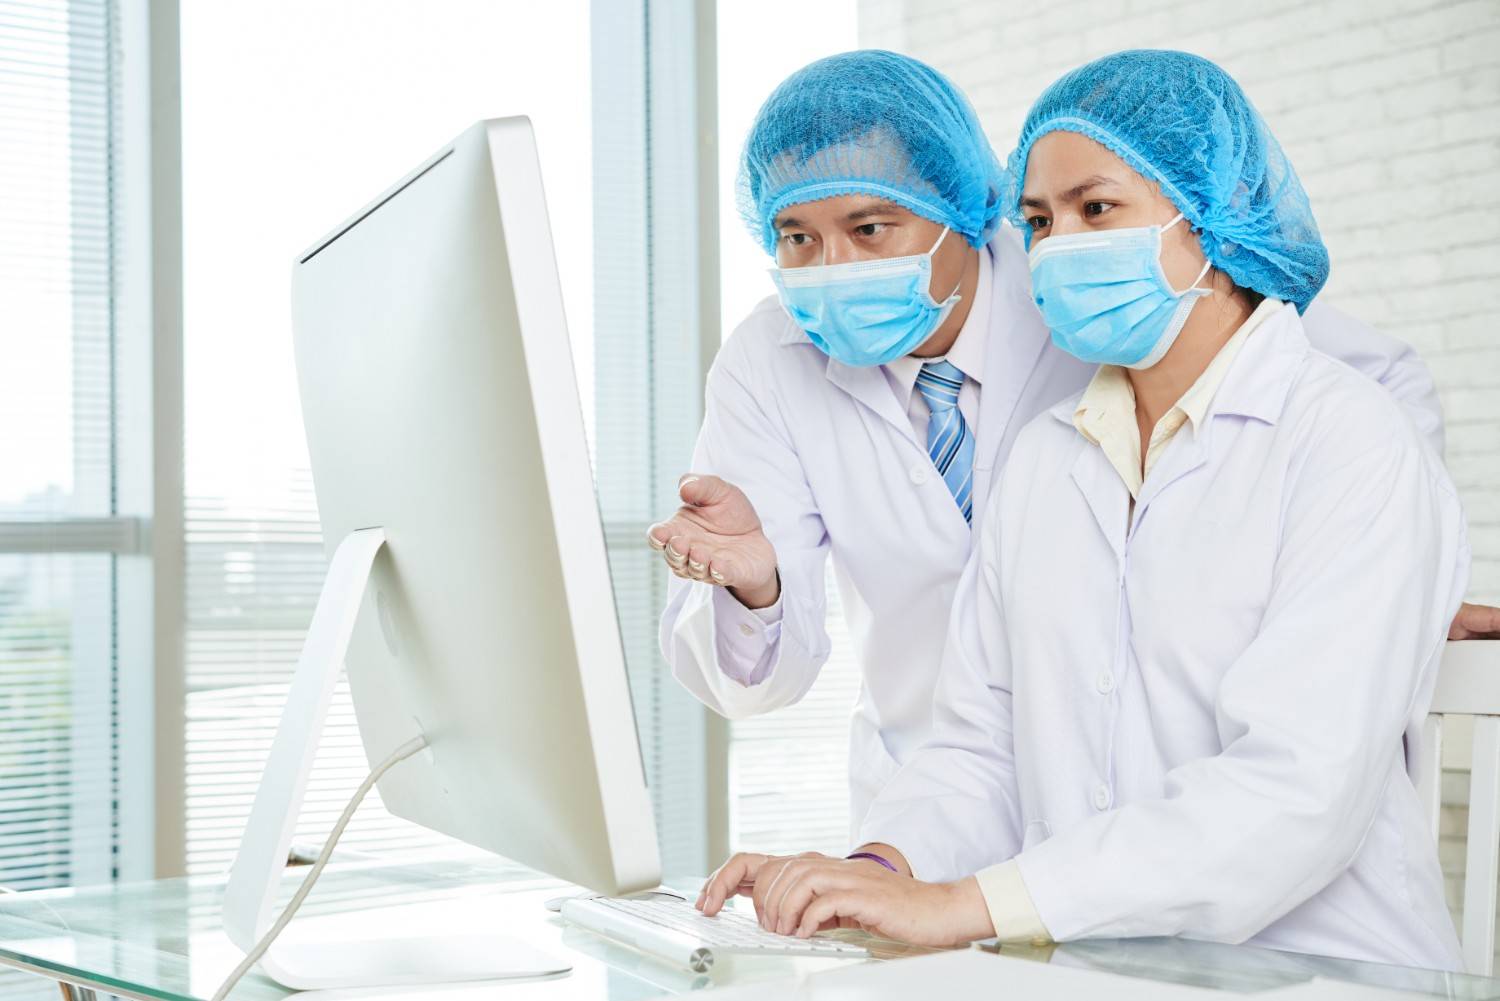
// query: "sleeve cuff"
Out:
[770,615]
[1011,910]
[744,636]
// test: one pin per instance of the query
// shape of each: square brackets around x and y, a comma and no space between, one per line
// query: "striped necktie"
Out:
[949,441]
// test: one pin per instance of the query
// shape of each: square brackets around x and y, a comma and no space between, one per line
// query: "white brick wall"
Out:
[1389,110]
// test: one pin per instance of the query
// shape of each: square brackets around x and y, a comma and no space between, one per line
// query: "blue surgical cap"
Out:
[1180,121]
[877,123]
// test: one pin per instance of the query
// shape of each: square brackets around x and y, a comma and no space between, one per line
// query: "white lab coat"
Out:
[1191,723]
[828,456]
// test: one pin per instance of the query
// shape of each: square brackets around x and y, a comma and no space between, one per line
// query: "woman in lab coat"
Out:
[1210,594]
[816,435]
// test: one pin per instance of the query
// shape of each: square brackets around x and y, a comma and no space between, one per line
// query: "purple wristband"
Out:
[873,858]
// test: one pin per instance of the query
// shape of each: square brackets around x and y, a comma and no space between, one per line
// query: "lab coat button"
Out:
[918,475]
[747,629]
[1105,683]
[1102,797]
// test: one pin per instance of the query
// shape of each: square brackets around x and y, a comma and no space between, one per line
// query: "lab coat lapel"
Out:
[1014,342]
[1105,493]
[866,385]
[869,387]
[1255,387]
[1016,339]
[1187,451]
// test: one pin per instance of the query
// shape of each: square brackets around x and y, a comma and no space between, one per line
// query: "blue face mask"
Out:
[1105,297]
[865,312]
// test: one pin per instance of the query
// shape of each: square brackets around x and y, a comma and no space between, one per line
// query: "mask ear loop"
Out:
[941,237]
[1206,264]
[1197,280]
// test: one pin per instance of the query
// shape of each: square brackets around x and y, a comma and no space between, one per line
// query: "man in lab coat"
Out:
[870,428]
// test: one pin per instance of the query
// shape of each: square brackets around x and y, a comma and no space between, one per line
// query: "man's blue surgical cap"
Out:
[876,123]
[1180,121]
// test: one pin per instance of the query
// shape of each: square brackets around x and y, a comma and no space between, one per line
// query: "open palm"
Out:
[716,537]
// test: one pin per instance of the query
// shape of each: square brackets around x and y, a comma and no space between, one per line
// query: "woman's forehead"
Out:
[1061,159]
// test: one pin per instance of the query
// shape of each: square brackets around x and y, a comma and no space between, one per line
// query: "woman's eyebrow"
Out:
[1097,181]
[1081,188]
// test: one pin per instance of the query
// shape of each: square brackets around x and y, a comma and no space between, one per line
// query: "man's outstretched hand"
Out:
[716,538]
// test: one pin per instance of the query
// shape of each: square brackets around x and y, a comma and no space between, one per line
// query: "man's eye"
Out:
[1038,222]
[796,239]
[1095,208]
[869,228]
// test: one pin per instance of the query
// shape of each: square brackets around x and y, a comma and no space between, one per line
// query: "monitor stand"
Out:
[261,862]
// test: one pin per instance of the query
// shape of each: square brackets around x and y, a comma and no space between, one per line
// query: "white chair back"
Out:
[1469,685]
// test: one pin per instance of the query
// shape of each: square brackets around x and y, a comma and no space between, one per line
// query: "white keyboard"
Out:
[677,931]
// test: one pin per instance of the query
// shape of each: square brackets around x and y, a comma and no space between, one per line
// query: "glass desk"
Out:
[162,941]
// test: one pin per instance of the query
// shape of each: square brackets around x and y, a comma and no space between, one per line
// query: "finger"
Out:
[702,490]
[699,556]
[1475,622]
[796,892]
[658,534]
[743,890]
[740,868]
[832,910]
[713,894]
[791,869]
[676,550]
[728,567]
[764,880]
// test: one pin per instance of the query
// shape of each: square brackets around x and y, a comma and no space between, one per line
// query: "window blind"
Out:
[257,95]
[254,570]
[789,778]
[58,211]
[650,288]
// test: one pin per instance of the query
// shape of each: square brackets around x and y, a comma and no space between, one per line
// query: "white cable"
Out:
[7,891]
[252,957]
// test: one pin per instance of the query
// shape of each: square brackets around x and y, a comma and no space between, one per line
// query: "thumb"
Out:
[702,490]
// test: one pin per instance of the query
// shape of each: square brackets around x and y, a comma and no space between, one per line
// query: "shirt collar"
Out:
[1110,398]
[1200,394]
[967,351]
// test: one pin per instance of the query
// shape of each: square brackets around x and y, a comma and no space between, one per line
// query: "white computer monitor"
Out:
[441,409]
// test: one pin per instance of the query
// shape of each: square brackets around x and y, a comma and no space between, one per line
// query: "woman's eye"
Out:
[869,228]
[1037,222]
[1095,208]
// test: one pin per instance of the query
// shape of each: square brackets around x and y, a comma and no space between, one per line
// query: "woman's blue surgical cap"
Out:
[876,123]
[1180,121]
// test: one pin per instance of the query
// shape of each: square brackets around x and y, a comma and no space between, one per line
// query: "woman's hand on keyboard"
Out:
[802,894]
[737,878]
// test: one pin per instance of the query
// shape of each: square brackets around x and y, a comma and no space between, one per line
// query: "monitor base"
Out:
[407,961]
[261,863]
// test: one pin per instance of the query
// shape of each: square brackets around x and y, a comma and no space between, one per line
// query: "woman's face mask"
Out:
[868,312]
[1105,297]
[1099,264]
